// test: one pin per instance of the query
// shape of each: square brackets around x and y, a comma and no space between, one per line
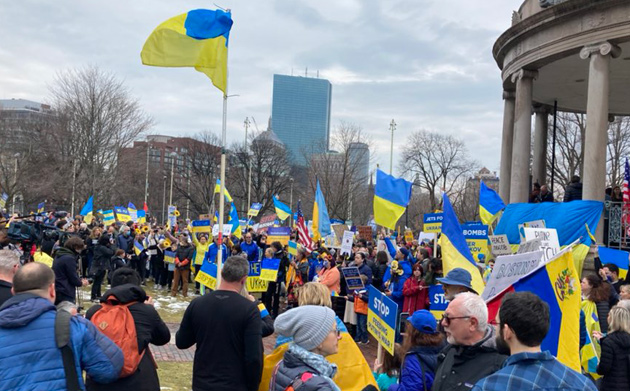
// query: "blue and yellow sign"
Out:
[169,256]
[433,222]
[269,269]
[476,235]
[201,226]
[207,275]
[254,283]
[437,301]
[382,314]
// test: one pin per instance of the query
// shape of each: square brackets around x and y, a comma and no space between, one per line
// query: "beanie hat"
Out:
[309,325]
[404,251]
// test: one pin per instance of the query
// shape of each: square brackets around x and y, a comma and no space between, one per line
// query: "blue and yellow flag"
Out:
[142,216]
[455,251]
[108,217]
[198,39]
[137,247]
[591,351]
[88,210]
[217,189]
[616,257]
[41,207]
[133,211]
[122,214]
[391,196]
[236,225]
[282,210]
[321,220]
[490,204]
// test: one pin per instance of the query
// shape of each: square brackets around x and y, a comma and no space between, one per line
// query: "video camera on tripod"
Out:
[29,232]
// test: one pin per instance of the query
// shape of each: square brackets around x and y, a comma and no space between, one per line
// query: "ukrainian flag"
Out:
[137,247]
[122,213]
[616,257]
[88,210]
[321,220]
[591,351]
[391,196]
[236,225]
[41,207]
[142,217]
[490,204]
[108,217]
[282,210]
[217,189]
[133,211]
[198,39]
[455,251]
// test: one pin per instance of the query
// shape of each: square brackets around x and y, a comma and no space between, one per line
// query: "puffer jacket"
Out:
[29,357]
[66,275]
[573,192]
[184,256]
[418,369]
[460,367]
[614,362]
[296,362]
[102,259]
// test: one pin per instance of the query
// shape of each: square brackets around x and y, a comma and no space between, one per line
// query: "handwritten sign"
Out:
[254,283]
[500,245]
[507,270]
[346,242]
[550,244]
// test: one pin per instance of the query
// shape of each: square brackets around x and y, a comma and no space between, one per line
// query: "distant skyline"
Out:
[426,64]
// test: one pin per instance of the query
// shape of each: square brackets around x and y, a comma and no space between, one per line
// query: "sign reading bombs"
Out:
[477,239]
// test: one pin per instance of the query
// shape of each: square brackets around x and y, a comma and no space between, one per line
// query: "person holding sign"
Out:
[415,291]
[201,248]
[213,250]
[329,275]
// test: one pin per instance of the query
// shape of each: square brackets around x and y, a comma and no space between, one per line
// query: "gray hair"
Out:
[624,304]
[8,260]
[474,306]
[235,268]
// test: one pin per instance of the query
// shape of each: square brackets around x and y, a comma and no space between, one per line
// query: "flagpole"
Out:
[222,187]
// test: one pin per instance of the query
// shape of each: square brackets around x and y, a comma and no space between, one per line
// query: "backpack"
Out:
[116,322]
[295,384]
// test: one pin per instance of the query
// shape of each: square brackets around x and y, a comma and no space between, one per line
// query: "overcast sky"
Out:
[425,63]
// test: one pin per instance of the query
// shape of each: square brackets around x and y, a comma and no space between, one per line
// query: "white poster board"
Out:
[550,245]
[346,242]
[508,269]
[426,237]
[500,245]
[227,230]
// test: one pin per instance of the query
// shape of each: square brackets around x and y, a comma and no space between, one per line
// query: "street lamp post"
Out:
[173,156]
[392,127]
[16,156]
[249,165]
[291,202]
[164,201]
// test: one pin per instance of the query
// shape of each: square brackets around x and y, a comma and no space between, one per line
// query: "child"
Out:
[117,261]
[415,291]
[360,299]
[388,372]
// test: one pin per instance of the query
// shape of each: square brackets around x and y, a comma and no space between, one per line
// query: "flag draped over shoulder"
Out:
[321,220]
[591,350]
[455,250]
[282,210]
[217,189]
[490,204]
[88,210]
[558,284]
[198,38]
[391,196]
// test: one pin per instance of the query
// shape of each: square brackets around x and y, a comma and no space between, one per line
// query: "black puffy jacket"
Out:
[66,276]
[102,257]
[614,363]
[573,192]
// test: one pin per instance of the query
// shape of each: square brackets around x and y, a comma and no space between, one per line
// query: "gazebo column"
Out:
[519,180]
[507,142]
[594,181]
[541,124]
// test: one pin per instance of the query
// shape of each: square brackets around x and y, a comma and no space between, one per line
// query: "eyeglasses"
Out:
[336,332]
[493,323]
[447,319]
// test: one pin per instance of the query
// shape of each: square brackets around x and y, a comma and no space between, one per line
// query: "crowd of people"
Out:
[319,323]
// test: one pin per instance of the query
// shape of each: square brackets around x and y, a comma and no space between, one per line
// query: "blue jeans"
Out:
[362,334]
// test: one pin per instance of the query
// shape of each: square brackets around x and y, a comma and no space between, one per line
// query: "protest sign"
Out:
[279,234]
[437,301]
[339,229]
[550,245]
[476,236]
[408,236]
[269,269]
[382,246]
[529,224]
[172,219]
[426,237]
[382,314]
[266,222]
[433,222]
[500,245]
[254,209]
[292,248]
[508,269]
[346,243]
[529,246]
[365,232]
[207,275]
[254,283]
[201,226]
[227,230]
[205,217]
[169,256]
[353,278]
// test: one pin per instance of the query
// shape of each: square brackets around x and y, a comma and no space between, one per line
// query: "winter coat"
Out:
[396,287]
[125,243]
[251,250]
[116,263]
[150,329]
[573,192]
[461,365]
[614,362]
[416,295]
[30,359]
[296,362]
[66,276]
[5,291]
[377,278]
[331,278]
[102,258]
[184,256]
[213,251]
[603,308]
[418,369]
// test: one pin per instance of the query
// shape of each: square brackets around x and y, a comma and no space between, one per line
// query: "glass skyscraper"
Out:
[300,115]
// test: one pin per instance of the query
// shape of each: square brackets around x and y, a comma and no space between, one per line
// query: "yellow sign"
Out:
[408,236]
[268,274]
[206,280]
[255,284]
[478,246]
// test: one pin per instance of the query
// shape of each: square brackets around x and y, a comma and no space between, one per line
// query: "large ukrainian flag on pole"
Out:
[198,39]
[490,204]
[391,197]
[321,219]
[282,210]
[455,251]
[88,210]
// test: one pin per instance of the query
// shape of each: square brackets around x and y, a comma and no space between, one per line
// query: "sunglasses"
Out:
[446,320]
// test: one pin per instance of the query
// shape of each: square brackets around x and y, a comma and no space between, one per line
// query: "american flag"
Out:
[626,184]
[302,230]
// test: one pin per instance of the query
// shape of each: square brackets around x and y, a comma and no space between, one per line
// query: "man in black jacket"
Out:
[9,264]
[574,190]
[227,330]
[183,258]
[65,267]
[150,329]
[471,352]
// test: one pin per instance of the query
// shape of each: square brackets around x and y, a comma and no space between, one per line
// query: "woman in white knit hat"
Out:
[315,336]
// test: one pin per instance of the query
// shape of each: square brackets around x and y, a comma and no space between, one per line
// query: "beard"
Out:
[502,346]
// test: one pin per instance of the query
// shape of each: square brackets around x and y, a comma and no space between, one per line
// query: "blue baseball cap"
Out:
[423,321]
[458,276]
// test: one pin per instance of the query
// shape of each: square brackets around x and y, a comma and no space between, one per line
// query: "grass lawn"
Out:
[175,376]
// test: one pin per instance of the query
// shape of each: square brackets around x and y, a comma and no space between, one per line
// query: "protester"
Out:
[229,351]
[9,265]
[30,358]
[360,300]
[272,296]
[213,250]
[183,257]
[416,294]
[574,190]
[103,253]
[201,248]
[534,195]
[610,272]
[250,248]
[523,322]
[545,195]
[151,243]
[315,336]
[388,372]
[330,276]
[381,267]
[471,352]
[364,269]
[614,362]
[149,327]
[434,272]
[421,346]
[624,292]
[595,291]
[65,267]
[457,281]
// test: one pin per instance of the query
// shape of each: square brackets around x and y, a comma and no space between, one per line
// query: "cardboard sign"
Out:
[500,245]
[433,222]
[382,314]
[346,242]
[338,230]
[426,237]
[227,230]
[550,244]
[507,270]
[269,269]
[365,232]
[408,236]
[437,301]
[353,278]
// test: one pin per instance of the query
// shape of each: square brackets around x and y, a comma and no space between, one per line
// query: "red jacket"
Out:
[415,298]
